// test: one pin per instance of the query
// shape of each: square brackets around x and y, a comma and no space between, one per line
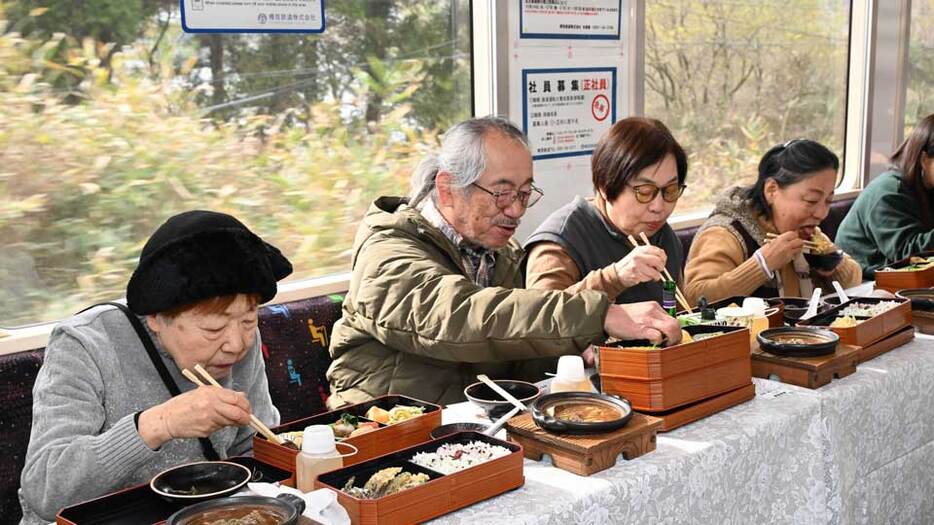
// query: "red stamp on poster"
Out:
[600,107]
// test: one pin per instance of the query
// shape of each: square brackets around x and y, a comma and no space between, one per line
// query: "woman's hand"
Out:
[642,264]
[194,414]
[781,250]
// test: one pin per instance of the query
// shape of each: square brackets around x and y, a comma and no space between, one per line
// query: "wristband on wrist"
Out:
[760,259]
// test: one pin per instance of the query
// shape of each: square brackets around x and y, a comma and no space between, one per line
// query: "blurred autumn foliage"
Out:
[94,156]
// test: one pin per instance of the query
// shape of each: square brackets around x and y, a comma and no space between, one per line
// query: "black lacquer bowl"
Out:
[798,341]
[284,509]
[492,403]
[453,428]
[203,480]
[824,262]
[546,412]
[796,306]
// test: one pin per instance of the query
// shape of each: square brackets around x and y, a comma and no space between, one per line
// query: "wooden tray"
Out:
[894,281]
[809,372]
[664,379]
[678,417]
[139,505]
[585,454]
[871,330]
[923,321]
[889,343]
[370,445]
[443,494]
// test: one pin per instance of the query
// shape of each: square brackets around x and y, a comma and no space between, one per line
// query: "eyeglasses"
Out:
[646,193]
[504,199]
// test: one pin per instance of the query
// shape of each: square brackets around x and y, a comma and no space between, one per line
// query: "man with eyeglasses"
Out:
[436,294]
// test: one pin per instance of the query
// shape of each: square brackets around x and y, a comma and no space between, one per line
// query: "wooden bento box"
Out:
[896,279]
[443,493]
[386,439]
[870,329]
[656,380]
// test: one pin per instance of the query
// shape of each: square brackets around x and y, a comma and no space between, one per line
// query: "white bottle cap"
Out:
[570,367]
[318,439]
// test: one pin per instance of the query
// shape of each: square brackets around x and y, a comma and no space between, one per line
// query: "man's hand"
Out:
[645,320]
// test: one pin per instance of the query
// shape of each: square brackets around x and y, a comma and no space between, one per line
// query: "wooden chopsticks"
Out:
[678,295]
[809,246]
[258,425]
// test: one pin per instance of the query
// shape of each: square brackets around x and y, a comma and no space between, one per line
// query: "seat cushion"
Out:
[295,343]
[17,375]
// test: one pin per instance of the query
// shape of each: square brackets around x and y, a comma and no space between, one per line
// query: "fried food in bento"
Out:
[385,482]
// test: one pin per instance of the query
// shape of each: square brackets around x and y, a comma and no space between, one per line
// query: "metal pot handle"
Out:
[293,501]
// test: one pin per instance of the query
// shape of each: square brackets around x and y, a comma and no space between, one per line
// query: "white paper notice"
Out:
[581,19]
[566,111]
[253,16]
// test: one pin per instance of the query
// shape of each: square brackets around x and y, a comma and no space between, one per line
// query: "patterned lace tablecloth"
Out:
[759,462]
[860,450]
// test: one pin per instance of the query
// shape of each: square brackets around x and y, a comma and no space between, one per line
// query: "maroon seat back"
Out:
[17,375]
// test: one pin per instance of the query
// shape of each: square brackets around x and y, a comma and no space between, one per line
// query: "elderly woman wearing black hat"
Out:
[111,407]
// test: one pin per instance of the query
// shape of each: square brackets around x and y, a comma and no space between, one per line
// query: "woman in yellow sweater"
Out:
[791,196]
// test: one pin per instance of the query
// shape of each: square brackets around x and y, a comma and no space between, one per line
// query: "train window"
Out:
[112,118]
[732,78]
[919,101]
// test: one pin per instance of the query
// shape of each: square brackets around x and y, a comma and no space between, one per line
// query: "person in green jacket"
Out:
[893,217]
[436,291]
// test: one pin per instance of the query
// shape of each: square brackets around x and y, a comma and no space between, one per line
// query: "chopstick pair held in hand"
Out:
[258,425]
[809,246]
[678,295]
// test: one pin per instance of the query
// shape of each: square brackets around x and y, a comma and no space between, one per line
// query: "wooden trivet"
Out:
[809,372]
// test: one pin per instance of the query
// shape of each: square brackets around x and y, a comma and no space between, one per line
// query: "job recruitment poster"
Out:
[570,19]
[566,111]
[253,16]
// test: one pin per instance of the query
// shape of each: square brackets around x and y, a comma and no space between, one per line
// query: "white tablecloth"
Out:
[860,450]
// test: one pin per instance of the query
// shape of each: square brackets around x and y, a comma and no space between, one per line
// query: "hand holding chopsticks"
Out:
[678,295]
[254,421]
[809,246]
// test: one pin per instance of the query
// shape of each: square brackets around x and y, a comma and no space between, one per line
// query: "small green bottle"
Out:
[669,303]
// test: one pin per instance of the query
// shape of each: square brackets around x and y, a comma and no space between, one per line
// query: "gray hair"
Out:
[461,154]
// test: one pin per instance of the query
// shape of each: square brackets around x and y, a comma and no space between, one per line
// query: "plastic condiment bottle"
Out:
[760,322]
[571,376]
[319,454]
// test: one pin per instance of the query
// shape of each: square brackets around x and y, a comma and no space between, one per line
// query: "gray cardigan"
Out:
[84,443]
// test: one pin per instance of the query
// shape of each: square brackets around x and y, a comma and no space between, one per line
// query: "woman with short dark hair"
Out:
[639,172]
[791,196]
[893,217]
[111,407]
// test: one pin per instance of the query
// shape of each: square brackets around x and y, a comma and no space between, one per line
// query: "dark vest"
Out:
[594,243]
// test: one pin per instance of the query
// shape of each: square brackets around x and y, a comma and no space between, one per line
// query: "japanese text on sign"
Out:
[566,111]
[253,16]
[585,19]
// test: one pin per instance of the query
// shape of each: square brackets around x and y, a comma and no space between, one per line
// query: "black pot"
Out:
[922,299]
[549,423]
[820,341]
[200,481]
[288,506]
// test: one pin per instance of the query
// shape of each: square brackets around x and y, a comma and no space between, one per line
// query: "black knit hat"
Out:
[199,254]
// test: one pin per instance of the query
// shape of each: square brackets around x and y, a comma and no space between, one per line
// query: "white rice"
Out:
[868,309]
[452,457]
